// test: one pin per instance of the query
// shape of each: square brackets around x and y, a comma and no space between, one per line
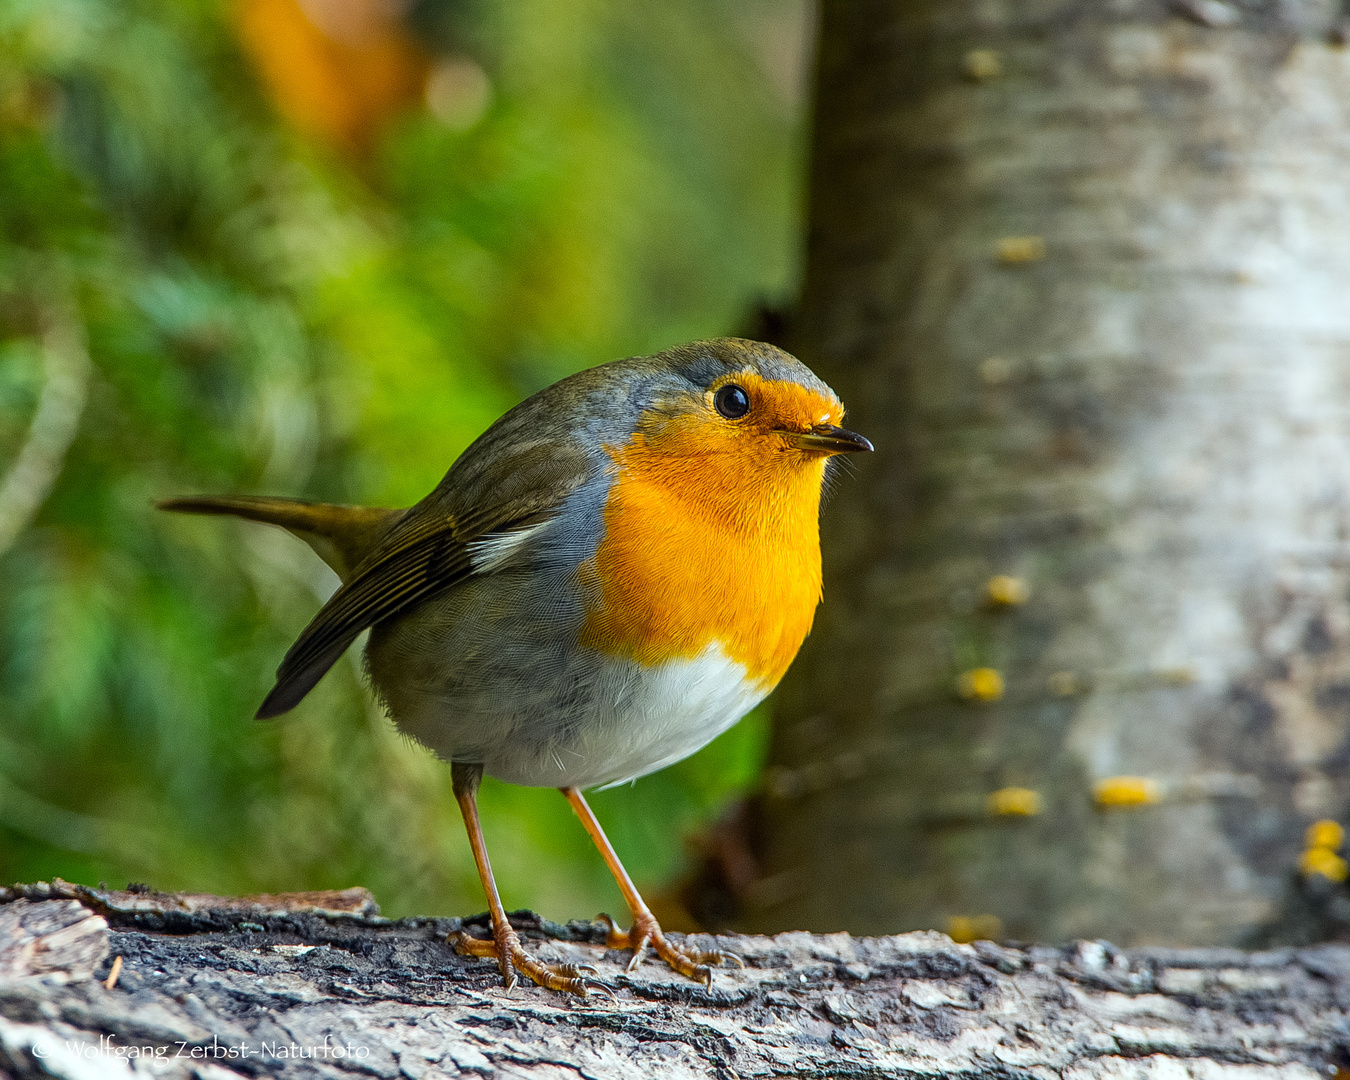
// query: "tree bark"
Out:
[1082,272]
[319,985]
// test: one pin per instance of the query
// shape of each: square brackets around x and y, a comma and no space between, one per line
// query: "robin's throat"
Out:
[717,551]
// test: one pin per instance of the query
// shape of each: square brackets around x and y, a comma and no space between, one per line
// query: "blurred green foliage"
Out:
[264,316]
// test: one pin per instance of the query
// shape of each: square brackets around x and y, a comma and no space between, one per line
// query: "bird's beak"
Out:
[827,439]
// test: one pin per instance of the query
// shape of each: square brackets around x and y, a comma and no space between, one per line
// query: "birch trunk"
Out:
[1081,270]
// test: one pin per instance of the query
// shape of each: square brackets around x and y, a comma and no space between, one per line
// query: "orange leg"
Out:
[505,945]
[646,931]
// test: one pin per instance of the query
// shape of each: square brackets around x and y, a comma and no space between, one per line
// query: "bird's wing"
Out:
[439,542]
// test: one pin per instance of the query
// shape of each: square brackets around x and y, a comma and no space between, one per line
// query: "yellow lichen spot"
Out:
[963,929]
[1063,684]
[1020,249]
[1325,834]
[981,684]
[982,64]
[1006,591]
[1323,862]
[1126,791]
[1014,802]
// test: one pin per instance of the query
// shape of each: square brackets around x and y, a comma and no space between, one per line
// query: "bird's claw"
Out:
[575,971]
[511,957]
[639,952]
[646,934]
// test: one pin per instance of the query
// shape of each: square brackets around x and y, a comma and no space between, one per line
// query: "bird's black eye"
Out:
[731,401]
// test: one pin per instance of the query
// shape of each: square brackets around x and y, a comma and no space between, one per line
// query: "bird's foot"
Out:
[505,948]
[646,933]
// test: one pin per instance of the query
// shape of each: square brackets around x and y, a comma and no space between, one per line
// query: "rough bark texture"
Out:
[317,985]
[1081,270]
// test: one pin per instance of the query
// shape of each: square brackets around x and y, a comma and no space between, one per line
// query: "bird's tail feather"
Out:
[342,536]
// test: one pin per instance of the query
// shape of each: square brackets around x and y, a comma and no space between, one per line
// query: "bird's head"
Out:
[739,429]
[745,398]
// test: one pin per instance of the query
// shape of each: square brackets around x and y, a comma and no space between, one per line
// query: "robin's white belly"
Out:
[602,722]
[666,714]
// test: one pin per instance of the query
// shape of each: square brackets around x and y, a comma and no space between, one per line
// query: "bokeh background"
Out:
[1079,270]
[314,247]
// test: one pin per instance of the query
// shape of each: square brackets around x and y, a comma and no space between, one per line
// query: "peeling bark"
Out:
[319,985]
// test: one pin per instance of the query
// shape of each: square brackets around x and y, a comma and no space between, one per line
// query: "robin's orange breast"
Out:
[707,548]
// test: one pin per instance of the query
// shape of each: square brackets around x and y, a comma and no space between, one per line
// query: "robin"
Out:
[612,575]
